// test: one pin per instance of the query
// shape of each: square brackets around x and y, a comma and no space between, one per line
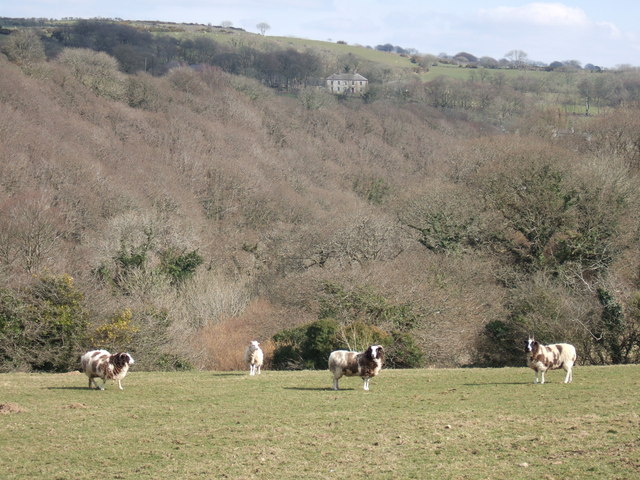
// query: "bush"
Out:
[309,346]
[117,334]
[24,48]
[141,93]
[502,344]
[95,70]
[365,305]
[179,265]
[403,352]
[43,326]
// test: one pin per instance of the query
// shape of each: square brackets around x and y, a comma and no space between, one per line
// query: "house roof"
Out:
[346,76]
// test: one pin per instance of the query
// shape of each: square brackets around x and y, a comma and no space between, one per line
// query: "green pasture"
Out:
[412,424]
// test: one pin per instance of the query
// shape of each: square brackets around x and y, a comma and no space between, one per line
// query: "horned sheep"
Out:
[365,364]
[550,357]
[102,364]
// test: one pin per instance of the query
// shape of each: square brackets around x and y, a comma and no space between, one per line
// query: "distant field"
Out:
[467,423]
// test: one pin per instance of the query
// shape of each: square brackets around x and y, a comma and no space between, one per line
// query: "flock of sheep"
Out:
[367,364]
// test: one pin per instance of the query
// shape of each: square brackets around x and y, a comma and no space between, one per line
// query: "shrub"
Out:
[374,190]
[24,48]
[309,346]
[403,352]
[502,344]
[117,334]
[151,344]
[95,70]
[141,93]
[43,326]
[179,265]
[171,362]
[613,326]
[365,305]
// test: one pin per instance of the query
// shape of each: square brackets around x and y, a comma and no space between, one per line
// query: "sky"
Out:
[600,32]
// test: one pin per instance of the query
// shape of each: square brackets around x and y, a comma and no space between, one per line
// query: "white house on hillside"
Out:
[347,83]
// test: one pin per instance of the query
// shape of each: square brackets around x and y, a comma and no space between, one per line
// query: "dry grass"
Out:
[225,342]
[445,424]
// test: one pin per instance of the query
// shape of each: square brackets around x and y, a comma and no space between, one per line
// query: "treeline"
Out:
[179,216]
[139,50]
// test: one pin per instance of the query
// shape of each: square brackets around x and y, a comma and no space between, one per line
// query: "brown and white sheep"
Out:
[365,364]
[550,357]
[254,357]
[102,364]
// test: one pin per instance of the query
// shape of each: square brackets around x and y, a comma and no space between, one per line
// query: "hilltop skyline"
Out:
[604,34]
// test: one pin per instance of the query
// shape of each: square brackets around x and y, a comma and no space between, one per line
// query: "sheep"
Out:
[254,357]
[365,364]
[100,363]
[550,357]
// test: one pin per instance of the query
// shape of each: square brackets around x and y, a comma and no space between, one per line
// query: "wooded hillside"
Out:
[182,214]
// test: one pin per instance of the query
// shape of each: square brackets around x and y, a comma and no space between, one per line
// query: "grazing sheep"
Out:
[254,357]
[365,364]
[550,357]
[100,363]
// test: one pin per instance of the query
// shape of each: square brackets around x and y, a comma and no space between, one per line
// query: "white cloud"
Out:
[610,29]
[539,14]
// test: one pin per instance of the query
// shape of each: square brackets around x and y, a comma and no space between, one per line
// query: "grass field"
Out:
[445,424]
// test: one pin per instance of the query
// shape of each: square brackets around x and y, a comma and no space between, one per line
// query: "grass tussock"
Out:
[446,424]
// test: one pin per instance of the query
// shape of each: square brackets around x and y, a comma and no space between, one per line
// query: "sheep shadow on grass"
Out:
[69,388]
[482,384]
[315,389]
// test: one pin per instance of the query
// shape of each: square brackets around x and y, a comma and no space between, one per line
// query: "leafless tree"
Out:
[517,57]
[263,27]
[31,230]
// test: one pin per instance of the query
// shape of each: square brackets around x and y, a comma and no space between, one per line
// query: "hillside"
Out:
[181,214]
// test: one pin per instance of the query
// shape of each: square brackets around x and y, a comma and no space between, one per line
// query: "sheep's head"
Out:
[122,359]
[254,345]
[530,345]
[375,352]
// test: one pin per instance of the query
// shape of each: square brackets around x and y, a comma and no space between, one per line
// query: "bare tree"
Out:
[24,47]
[31,230]
[263,27]
[517,57]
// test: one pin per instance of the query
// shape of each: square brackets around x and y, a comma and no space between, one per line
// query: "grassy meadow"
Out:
[462,424]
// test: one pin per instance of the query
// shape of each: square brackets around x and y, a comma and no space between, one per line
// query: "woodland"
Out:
[173,195]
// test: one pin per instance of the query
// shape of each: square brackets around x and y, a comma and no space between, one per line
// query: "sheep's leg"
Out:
[335,383]
[542,377]
[120,385]
[535,377]
[569,376]
[252,369]
[366,383]
[93,379]
[258,369]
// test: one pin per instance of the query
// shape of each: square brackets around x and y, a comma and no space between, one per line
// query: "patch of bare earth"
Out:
[7,408]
